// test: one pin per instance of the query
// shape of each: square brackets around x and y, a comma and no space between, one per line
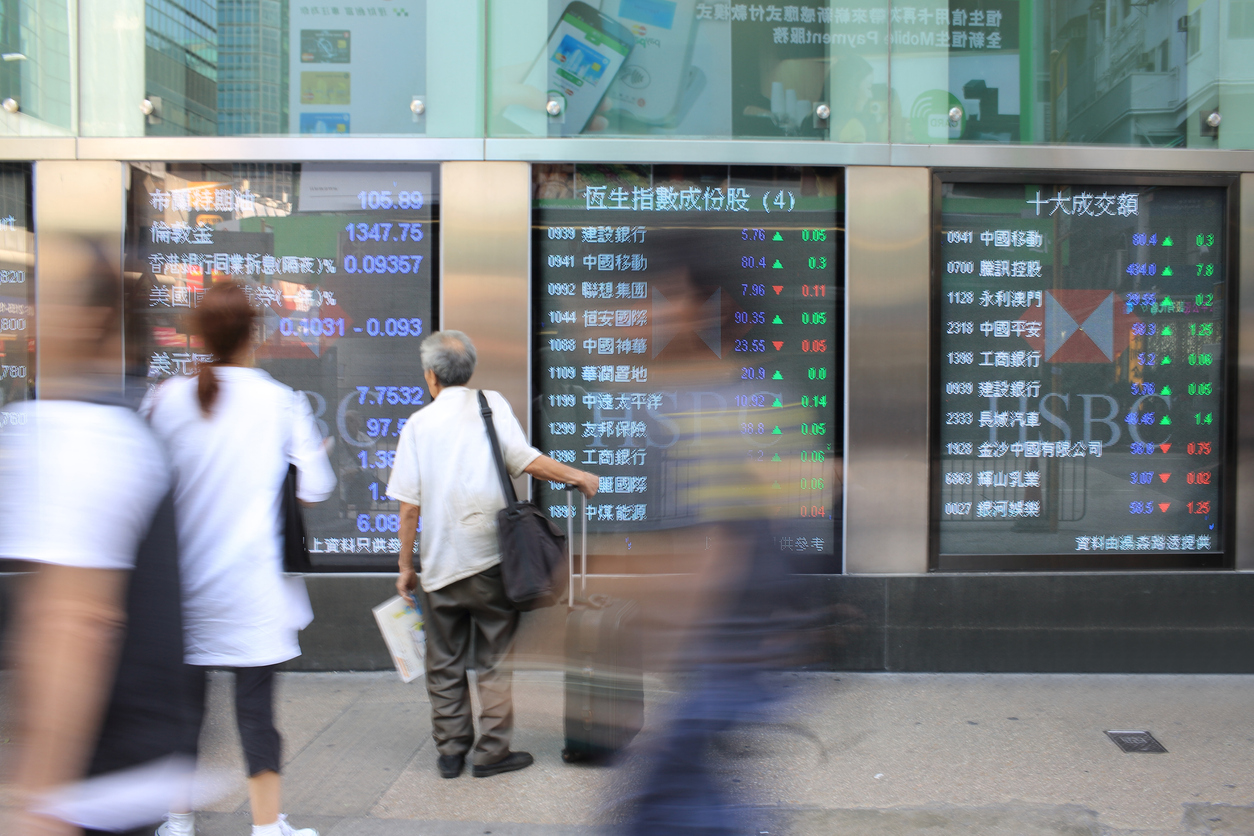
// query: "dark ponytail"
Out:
[224,320]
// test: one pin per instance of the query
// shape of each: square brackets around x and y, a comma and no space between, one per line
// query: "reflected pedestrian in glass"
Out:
[85,502]
[232,432]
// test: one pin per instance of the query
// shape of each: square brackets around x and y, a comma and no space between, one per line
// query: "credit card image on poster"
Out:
[650,85]
[325,46]
[584,54]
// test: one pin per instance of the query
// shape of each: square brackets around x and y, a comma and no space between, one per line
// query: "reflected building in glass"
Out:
[36,70]
[252,63]
[181,71]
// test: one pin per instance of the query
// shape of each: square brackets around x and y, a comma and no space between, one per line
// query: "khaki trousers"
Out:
[474,608]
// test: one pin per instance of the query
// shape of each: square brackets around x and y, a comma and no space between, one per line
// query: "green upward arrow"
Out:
[777,431]
[1167,271]
[777,320]
[778,237]
[1166,303]
[777,376]
[1166,420]
[1167,242]
[1166,360]
[1167,332]
[1166,390]
[777,265]
[777,402]
[775,457]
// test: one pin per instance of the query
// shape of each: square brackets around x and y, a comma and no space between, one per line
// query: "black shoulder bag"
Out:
[295,549]
[533,549]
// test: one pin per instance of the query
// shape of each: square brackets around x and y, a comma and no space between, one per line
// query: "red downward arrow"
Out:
[1166,447]
[1163,506]
[777,288]
[778,344]
[1164,476]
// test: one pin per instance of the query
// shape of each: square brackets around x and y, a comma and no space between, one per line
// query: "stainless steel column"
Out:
[887,283]
[485,251]
[73,199]
[1245,382]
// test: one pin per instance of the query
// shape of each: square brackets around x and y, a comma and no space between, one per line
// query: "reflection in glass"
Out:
[17,286]
[1120,72]
[670,68]
[234,67]
[338,258]
[37,67]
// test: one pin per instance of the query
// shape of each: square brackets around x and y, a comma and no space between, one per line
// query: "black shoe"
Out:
[511,762]
[450,766]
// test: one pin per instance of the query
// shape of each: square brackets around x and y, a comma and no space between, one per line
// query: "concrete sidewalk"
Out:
[852,754]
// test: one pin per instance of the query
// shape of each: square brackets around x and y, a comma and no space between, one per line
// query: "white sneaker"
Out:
[177,824]
[287,830]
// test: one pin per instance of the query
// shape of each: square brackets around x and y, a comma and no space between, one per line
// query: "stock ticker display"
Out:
[681,309]
[337,259]
[17,291]
[1081,369]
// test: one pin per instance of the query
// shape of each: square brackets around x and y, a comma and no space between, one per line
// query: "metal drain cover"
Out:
[1136,741]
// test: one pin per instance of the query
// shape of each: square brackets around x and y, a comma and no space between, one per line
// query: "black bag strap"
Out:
[507,485]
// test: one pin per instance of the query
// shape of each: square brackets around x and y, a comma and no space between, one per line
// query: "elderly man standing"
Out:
[444,467]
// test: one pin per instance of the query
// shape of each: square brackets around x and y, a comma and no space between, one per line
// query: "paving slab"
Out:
[985,755]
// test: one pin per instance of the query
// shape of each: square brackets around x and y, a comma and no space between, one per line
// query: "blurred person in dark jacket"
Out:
[86,503]
[745,613]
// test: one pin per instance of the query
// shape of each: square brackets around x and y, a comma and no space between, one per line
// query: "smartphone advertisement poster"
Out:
[357,69]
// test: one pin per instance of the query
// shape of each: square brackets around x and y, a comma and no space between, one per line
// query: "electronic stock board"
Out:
[667,292]
[1081,375]
[338,260]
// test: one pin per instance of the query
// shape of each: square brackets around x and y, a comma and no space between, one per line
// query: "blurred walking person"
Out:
[85,498]
[232,432]
[444,468]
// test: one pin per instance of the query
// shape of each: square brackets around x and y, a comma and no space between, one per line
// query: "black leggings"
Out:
[254,713]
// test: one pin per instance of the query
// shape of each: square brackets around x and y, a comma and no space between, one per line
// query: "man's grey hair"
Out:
[451,355]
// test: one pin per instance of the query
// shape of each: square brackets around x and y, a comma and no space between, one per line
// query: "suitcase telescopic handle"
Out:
[570,545]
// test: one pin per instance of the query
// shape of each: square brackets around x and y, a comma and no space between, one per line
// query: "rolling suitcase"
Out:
[604,670]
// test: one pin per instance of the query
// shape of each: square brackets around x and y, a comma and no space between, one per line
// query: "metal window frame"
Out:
[1098,562]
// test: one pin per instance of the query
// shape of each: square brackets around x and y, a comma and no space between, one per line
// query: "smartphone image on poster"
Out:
[650,86]
[584,53]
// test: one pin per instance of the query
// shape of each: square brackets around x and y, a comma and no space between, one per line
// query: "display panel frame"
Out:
[616,563]
[323,205]
[1225,558]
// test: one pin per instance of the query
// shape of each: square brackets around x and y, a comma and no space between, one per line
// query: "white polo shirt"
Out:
[79,483]
[444,464]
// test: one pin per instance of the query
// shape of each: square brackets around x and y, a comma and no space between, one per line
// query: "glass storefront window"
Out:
[685,68]
[268,67]
[339,259]
[1116,72]
[17,287]
[1081,369]
[688,328]
[37,68]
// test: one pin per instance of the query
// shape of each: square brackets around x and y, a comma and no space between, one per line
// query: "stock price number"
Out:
[750,345]
[401,327]
[384,200]
[378,522]
[326,326]
[383,232]
[378,428]
[394,395]
[381,459]
[382,264]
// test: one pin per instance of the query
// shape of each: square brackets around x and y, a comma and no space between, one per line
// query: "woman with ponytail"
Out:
[232,432]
